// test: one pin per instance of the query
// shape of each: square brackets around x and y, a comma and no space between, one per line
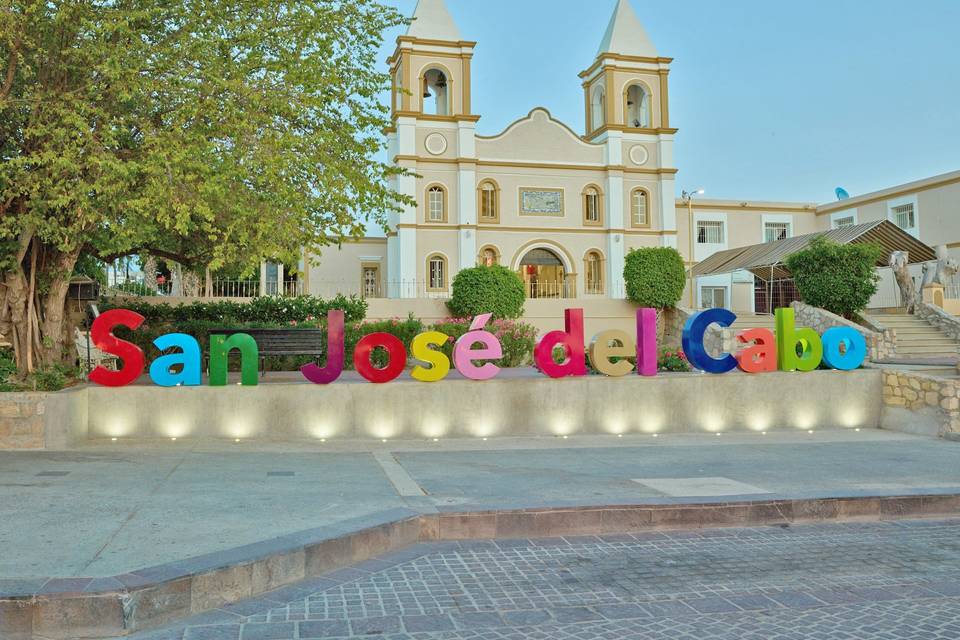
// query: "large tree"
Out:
[205,131]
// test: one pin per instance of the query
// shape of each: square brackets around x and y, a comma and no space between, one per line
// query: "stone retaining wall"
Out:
[921,403]
[42,420]
[881,345]
[940,319]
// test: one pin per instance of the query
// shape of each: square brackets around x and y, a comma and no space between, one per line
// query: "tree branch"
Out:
[159,253]
[11,71]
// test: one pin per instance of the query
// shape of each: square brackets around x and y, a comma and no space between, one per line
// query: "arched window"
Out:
[436,204]
[598,108]
[638,107]
[639,208]
[489,256]
[489,201]
[592,206]
[436,93]
[593,272]
[436,273]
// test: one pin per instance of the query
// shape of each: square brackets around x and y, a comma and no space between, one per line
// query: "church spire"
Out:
[625,35]
[432,21]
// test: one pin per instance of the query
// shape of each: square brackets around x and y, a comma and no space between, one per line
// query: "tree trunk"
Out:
[52,327]
[34,320]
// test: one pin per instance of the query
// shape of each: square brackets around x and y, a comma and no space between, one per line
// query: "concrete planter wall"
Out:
[508,406]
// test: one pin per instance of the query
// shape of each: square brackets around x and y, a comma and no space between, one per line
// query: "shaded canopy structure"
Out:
[766,261]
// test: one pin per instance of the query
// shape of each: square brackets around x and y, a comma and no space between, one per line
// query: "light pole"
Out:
[687,197]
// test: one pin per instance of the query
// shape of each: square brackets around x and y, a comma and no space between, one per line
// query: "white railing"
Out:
[542,290]
[220,288]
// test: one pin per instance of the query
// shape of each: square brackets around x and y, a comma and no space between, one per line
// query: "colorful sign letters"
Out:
[788,348]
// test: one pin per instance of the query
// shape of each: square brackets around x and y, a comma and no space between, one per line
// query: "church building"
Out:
[560,207]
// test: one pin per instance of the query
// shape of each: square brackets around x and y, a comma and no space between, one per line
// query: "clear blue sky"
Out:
[774,100]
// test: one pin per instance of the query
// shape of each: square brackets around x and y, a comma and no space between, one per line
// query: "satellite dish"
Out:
[842,193]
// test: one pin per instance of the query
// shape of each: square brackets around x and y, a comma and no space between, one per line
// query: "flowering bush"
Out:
[673,361]
[516,338]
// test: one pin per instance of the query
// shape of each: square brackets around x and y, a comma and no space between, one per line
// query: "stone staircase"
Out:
[916,338]
[753,321]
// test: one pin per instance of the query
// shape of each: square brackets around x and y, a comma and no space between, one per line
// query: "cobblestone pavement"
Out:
[886,580]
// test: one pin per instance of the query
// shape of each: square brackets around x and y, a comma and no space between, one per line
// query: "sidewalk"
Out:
[110,510]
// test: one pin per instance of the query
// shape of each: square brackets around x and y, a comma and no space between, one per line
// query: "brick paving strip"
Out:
[890,580]
[114,606]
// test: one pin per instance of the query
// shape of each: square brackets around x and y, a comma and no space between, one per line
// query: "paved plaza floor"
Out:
[107,510]
[884,580]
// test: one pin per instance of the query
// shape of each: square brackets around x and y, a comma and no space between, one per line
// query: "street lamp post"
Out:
[687,197]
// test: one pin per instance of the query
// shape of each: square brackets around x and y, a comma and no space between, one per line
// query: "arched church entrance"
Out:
[544,275]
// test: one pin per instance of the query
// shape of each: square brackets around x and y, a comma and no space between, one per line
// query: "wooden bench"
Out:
[281,342]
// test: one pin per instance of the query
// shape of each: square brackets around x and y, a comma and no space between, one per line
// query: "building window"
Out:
[592,206]
[370,280]
[639,215]
[489,256]
[847,221]
[593,273]
[713,297]
[436,204]
[436,93]
[709,232]
[904,216]
[773,231]
[638,107]
[489,201]
[436,273]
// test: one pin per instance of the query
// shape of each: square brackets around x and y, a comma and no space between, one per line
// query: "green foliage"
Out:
[655,276]
[517,339]
[494,289]
[7,370]
[90,267]
[50,378]
[214,134]
[268,310]
[840,278]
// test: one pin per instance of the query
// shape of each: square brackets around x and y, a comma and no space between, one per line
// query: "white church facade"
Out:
[559,207]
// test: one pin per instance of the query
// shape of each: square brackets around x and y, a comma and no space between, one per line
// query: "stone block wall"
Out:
[936,398]
[42,420]
[22,420]
[881,345]
[940,319]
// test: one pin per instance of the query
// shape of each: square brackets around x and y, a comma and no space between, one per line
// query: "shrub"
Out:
[52,378]
[655,277]
[406,330]
[516,338]
[840,278]
[8,368]
[672,361]
[494,289]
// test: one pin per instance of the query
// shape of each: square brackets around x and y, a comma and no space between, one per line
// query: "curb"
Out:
[92,608]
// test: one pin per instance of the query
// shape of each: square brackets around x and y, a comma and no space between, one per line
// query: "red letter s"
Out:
[101,335]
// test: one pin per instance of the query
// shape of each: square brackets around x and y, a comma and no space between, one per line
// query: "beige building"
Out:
[563,208]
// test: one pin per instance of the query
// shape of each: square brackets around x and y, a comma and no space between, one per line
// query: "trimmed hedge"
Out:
[494,289]
[655,277]
[840,278]
[268,309]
